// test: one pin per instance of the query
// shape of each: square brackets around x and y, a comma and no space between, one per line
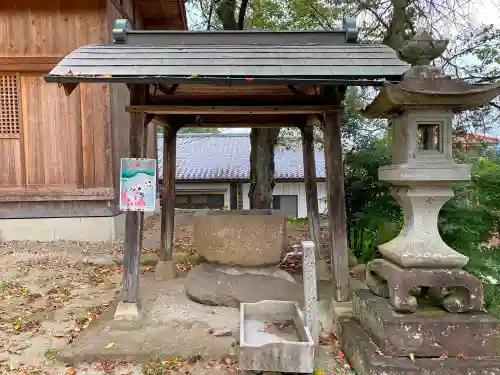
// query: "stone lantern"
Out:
[420,110]
[418,265]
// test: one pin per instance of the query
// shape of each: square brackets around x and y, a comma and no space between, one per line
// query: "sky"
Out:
[478,11]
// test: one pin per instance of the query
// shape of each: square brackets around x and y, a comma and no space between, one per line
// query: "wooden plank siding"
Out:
[52,141]
[64,159]
[64,142]
[10,155]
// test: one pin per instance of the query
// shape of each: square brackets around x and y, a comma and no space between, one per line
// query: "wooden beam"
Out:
[166,90]
[56,194]
[232,121]
[336,205]
[172,89]
[132,250]
[122,12]
[228,110]
[168,193]
[293,89]
[248,124]
[160,87]
[29,64]
[239,101]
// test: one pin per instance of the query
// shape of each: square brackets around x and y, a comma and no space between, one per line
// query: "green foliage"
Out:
[467,222]
[373,216]
[298,220]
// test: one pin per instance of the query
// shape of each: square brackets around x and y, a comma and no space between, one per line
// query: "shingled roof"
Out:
[179,62]
[227,157]
[308,57]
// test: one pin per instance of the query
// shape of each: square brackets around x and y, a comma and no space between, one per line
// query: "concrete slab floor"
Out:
[172,325]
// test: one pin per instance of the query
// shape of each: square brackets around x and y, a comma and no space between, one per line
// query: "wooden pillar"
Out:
[147,120]
[312,198]
[336,205]
[311,184]
[165,268]
[128,309]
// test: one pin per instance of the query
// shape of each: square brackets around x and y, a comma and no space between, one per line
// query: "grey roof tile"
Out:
[316,60]
[227,157]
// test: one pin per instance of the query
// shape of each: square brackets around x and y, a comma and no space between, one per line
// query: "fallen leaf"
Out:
[108,75]
[110,345]
[106,367]
[347,366]
[249,79]
[195,75]
[379,352]
[412,356]
[228,362]
[341,355]
[443,356]
[212,363]
[70,371]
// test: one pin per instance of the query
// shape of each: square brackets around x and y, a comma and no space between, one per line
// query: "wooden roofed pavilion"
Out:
[235,79]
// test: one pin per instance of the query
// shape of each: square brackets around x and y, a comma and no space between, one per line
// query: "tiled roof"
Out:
[227,157]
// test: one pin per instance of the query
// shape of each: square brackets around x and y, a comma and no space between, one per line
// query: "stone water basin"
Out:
[244,238]
[273,337]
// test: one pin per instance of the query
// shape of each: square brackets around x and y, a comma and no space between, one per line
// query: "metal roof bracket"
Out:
[351,28]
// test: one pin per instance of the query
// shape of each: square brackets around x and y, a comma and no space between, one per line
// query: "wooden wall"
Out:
[61,140]
[56,147]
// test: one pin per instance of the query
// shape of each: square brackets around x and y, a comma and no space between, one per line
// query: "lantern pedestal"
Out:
[419,243]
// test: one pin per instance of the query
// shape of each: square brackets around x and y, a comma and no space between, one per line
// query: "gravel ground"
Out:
[50,292]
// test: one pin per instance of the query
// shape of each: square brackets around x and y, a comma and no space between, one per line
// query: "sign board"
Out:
[137,184]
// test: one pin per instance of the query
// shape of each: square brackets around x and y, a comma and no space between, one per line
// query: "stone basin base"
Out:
[219,285]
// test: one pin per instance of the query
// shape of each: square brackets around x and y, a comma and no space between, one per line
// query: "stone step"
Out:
[367,358]
[427,333]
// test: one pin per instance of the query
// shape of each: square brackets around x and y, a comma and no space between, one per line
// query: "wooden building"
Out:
[60,154]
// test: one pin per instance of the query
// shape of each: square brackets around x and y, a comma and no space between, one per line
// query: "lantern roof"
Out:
[430,90]
[424,86]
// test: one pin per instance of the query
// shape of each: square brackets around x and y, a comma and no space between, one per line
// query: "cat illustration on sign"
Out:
[137,190]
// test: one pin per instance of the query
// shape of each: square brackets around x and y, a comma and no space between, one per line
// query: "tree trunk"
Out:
[400,27]
[262,142]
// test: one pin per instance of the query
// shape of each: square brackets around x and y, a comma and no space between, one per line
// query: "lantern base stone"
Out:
[366,357]
[389,280]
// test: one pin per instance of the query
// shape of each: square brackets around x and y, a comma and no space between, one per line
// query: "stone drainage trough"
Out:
[278,335]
